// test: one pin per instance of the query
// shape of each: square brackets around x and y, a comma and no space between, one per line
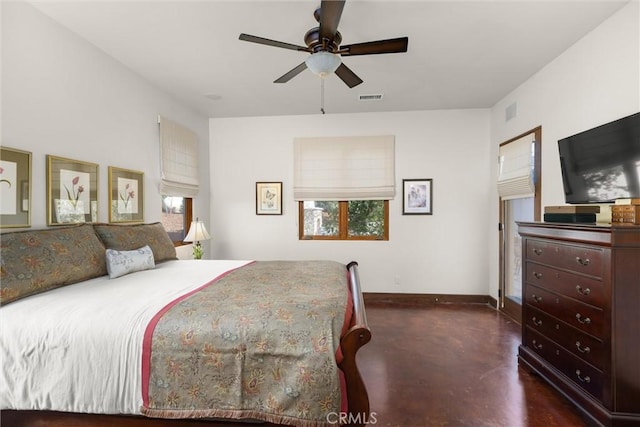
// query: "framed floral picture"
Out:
[15,182]
[417,197]
[268,198]
[72,191]
[126,195]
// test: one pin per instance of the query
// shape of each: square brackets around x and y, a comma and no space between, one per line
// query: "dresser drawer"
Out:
[580,372]
[585,289]
[584,346]
[585,317]
[581,259]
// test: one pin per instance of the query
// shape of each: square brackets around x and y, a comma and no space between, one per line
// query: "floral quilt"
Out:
[259,343]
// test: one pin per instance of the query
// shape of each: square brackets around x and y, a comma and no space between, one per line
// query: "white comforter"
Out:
[79,348]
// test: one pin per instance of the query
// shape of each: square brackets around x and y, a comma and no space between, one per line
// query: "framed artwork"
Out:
[126,195]
[15,182]
[417,196]
[72,191]
[268,198]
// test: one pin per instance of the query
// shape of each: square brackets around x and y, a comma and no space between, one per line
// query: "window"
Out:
[519,190]
[347,220]
[343,186]
[176,217]
[179,172]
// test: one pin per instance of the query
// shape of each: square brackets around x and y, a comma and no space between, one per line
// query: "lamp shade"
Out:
[197,232]
[323,63]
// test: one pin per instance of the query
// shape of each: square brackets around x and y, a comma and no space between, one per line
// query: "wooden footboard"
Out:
[358,414]
[357,336]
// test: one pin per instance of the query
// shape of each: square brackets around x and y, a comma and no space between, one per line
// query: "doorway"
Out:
[517,206]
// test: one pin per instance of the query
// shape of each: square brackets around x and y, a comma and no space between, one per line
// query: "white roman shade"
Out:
[516,169]
[344,168]
[178,160]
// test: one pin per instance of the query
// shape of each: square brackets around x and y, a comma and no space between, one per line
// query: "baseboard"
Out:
[383,298]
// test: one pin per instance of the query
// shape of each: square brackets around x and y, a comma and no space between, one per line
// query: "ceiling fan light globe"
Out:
[323,63]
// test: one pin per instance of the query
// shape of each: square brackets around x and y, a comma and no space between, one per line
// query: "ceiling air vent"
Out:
[374,97]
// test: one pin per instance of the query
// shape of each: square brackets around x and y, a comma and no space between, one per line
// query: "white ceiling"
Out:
[462,54]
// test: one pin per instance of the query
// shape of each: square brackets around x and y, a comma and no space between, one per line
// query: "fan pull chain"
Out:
[322,95]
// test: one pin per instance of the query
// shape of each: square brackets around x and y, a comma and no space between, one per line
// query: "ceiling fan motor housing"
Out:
[313,42]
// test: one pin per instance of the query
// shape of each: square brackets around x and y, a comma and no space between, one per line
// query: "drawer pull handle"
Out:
[585,379]
[581,261]
[537,251]
[537,275]
[536,322]
[584,321]
[583,291]
[537,345]
[582,349]
[536,298]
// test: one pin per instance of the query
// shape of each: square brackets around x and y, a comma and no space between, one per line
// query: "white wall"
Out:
[441,253]
[456,250]
[63,96]
[595,81]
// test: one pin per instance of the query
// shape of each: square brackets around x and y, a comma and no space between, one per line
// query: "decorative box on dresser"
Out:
[581,315]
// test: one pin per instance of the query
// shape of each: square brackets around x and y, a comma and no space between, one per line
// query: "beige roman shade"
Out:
[178,160]
[516,168]
[344,168]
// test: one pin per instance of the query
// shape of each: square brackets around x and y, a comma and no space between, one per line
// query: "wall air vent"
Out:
[511,111]
[373,97]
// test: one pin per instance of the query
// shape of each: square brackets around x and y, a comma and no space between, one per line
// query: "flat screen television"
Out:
[602,164]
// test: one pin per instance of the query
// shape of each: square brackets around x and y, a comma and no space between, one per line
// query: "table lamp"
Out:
[197,233]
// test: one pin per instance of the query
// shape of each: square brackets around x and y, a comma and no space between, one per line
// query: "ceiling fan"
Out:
[323,43]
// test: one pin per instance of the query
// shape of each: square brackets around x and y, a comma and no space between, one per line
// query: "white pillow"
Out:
[120,263]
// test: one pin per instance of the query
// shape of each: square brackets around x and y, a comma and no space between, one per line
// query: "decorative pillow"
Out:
[36,261]
[131,237]
[120,263]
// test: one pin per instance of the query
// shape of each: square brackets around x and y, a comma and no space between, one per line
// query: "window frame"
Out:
[343,224]
[188,218]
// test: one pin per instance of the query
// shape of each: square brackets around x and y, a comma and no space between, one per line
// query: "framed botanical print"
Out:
[72,191]
[268,198]
[15,185]
[126,195]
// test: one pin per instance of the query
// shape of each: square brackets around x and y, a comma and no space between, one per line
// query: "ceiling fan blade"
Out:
[376,47]
[291,74]
[269,42]
[348,76]
[330,13]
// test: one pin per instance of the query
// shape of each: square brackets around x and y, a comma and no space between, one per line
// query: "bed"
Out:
[140,333]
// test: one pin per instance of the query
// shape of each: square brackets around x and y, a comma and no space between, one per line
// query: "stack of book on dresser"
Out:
[571,213]
[626,211]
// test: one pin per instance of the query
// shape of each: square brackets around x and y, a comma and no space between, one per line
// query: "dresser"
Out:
[581,315]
